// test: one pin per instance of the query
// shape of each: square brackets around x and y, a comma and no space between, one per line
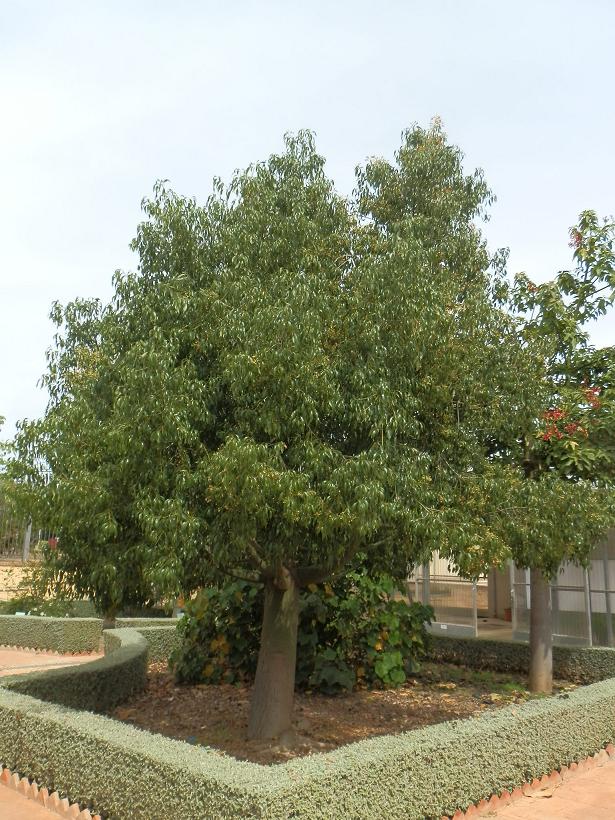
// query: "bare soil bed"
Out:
[217,716]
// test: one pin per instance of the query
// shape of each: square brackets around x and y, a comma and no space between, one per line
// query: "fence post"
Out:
[426,578]
[607,595]
[26,542]
[588,608]
[513,596]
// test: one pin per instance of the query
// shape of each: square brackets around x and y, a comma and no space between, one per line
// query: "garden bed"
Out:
[217,715]
[119,770]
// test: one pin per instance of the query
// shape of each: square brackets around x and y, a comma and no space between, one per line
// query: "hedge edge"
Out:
[77,635]
[66,635]
[578,664]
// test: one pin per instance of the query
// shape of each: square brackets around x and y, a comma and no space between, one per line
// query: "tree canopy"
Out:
[569,454]
[291,377]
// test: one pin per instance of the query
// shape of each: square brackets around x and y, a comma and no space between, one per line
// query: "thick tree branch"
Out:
[257,557]
[318,573]
[239,576]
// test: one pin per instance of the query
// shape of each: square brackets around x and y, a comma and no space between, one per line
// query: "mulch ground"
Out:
[217,716]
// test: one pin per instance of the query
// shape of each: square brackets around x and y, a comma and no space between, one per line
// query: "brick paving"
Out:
[589,795]
[14,806]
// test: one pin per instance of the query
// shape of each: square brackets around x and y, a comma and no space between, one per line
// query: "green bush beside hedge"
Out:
[578,664]
[67,635]
[359,628]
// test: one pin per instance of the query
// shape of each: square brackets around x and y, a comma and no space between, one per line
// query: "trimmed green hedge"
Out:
[578,664]
[129,774]
[67,635]
[76,635]
[96,686]
[126,773]
[161,641]
[137,623]
[104,683]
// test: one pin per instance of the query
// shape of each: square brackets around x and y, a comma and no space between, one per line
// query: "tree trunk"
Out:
[274,687]
[541,634]
[109,618]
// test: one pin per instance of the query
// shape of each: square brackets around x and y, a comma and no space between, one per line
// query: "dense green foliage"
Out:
[353,631]
[359,630]
[564,461]
[290,378]
[219,635]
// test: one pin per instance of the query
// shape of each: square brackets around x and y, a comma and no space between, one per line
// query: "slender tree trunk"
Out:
[541,634]
[274,687]
[109,618]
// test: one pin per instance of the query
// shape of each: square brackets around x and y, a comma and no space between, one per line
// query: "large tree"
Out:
[290,378]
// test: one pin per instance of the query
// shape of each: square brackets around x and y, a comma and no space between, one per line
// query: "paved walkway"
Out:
[586,796]
[14,806]
[21,661]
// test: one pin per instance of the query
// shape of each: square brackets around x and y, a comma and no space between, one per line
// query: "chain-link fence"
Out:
[583,600]
[19,536]
[19,544]
[569,601]
[601,579]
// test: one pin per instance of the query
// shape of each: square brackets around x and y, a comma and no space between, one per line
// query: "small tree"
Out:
[289,379]
[567,456]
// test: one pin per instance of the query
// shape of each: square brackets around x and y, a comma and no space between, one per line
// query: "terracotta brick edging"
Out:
[41,795]
[547,781]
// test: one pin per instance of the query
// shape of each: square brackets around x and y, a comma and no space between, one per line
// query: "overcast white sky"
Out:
[98,100]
